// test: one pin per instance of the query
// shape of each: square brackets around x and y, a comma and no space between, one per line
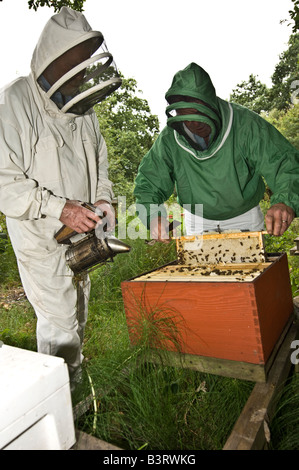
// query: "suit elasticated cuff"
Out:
[54,207]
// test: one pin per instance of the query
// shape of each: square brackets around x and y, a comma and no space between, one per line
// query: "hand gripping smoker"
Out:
[91,250]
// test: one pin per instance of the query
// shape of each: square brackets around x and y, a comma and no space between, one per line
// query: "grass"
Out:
[155,407]
[141,405]
[285,423]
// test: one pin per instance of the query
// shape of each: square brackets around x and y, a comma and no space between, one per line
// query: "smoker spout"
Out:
[117,246]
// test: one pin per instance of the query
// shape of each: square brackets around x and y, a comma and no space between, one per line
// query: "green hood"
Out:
[194,81]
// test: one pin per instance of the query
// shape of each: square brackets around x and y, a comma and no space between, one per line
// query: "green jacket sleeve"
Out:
[276,160]
[154,183]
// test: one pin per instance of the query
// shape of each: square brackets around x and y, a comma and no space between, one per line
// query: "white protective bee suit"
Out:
[47,157]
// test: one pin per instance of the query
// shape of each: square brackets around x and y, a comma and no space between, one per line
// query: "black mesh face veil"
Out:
[86,84]
[197,112]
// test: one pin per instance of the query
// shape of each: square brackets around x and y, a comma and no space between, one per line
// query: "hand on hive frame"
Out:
[278,219]
[159,229]
[77,217]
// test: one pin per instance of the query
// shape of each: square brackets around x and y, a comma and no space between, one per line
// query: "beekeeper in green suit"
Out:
[217,155]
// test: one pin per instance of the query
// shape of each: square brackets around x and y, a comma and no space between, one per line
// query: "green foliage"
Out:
[57,4]
[129,130]
[287,122]
[294,14]
[257,97]
[286,72]
[253,95]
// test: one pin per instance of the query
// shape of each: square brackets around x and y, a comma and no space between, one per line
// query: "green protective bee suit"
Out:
[227,177]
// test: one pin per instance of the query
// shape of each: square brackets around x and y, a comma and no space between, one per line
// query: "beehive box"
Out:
[229,314]
[35,401]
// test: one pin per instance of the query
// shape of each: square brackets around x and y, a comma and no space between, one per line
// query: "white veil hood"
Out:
[62,32]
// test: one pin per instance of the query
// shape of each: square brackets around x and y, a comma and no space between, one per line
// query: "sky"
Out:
[151,41]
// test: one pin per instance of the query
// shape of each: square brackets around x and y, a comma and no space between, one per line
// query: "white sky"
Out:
[151,41]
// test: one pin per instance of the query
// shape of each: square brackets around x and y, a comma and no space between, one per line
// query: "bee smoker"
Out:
[91,250]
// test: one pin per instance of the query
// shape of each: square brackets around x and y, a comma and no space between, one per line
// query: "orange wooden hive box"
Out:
[233,311]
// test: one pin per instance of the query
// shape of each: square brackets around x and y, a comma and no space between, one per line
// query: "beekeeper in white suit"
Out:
[52,158]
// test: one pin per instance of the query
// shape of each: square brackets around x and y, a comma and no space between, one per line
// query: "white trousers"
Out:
[60,305]
[252,220]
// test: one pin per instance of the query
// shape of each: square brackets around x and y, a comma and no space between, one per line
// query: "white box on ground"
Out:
[35,401]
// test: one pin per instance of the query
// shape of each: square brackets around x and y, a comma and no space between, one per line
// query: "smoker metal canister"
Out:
[92,250]
[87,253]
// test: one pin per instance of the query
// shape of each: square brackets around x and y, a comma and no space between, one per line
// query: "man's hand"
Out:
[106,213]
[278,219]
[159,229]
[75,216]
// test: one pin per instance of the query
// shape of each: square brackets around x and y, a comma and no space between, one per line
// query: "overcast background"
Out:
[151,41]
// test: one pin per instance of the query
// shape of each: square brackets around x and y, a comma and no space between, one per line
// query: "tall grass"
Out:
[9,275]
[157,407]
[285,423]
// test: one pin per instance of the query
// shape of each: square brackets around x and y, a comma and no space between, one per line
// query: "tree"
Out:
[294,14]
[57,4]
[129,130]
[287,122]
[256,96]
[285,74]
[252,94]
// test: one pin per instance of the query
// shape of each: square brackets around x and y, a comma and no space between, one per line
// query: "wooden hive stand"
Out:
[251,430]
[295,250]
